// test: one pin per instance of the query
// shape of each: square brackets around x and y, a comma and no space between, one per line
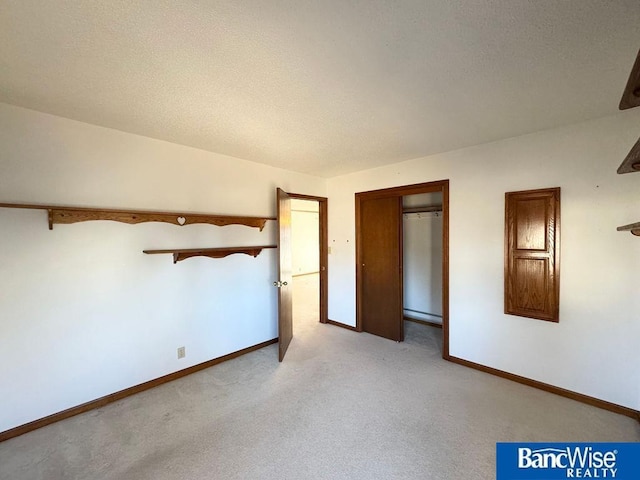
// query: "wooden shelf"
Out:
[183,254]
[632,162]
[67,215]
[425,209]
[631,95]
[634,228]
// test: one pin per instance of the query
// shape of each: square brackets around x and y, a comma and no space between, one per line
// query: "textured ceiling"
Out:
[323,87]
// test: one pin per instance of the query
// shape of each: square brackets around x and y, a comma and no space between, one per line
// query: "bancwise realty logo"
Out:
[551,461]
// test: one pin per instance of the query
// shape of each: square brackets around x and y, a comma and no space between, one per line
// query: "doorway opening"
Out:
[312,260]
[305,245]
[382,284]
[422,269]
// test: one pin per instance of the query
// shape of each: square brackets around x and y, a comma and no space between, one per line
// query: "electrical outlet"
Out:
[181,352]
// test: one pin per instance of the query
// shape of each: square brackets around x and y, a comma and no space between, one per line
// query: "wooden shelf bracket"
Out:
[68,215]
[183,254]
[631,95]
[634,228]
[632,161]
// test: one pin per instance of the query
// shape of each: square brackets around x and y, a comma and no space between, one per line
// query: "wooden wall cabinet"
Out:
[532,254]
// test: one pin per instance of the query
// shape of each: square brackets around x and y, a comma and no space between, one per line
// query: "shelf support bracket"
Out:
[634,228]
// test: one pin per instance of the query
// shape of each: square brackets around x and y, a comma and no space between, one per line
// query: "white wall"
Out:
[83,312]
[594,349]
[305,236]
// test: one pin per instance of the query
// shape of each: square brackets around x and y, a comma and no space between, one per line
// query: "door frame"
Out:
[323,211]
[415,189]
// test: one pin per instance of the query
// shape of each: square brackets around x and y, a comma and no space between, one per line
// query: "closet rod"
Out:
[427,209]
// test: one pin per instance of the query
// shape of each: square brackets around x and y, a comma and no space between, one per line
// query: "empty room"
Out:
[319,240]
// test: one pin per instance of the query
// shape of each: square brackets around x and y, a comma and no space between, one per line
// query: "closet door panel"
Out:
[380,267]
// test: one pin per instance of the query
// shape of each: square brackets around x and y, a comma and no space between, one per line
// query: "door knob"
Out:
[280,284]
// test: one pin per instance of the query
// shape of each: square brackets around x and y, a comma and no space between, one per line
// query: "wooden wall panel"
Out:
[531,284]
[531,224]
[532,254]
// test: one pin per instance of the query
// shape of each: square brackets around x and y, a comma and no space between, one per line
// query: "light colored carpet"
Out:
[343,405]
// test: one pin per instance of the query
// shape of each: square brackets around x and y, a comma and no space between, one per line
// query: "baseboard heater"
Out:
[431,317]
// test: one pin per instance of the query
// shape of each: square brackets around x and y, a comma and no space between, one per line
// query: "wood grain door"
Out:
[380,267]
[285,279]
[532,254]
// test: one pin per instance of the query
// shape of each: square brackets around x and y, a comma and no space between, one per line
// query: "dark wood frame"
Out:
[415,189]
[323,212]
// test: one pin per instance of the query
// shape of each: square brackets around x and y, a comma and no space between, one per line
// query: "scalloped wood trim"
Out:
[183,254]
[68,215]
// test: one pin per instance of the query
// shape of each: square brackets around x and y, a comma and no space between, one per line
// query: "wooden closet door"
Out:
[380,267]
